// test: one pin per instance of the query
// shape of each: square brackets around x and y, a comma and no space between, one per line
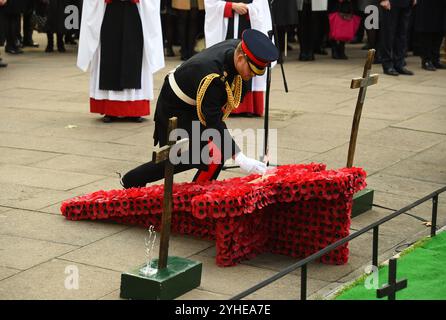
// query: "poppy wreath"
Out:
[294,210]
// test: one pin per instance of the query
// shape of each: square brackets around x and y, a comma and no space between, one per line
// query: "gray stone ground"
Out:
[52,149]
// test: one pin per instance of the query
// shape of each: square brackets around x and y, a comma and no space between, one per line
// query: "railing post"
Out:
[375,246]
[303,283]
[434,215]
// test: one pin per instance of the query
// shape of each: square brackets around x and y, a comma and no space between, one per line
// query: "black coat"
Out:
[216,59]
[56,15]
[15,6]
[285,12]
[2,27]
[430,16]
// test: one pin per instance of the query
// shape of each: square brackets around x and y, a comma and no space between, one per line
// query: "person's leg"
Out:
[437,39]
[304,32]
[150,172]
[192,31]
[402,16]
[50,45]
[386,40]
[425,42]
[60,43]
[182,24]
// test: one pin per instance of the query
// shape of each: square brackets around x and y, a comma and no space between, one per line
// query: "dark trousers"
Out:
[188,28]
[12,30]
[430,45]
[309,28]
[393,36]
[151,172]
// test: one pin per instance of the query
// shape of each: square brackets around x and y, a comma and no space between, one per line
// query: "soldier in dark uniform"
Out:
[202,92]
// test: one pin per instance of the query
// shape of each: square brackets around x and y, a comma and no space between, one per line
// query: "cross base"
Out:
[362,202]
[180,276]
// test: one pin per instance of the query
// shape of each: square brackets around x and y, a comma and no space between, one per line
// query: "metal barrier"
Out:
[375,226]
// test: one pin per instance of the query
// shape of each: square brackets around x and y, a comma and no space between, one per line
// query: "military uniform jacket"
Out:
[190,76]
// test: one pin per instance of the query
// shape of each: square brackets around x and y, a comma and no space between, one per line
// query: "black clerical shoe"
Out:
[3,65]
[31,44]
[427,65]
[438,65]
[404,71]
[168,52]
[391,72]
[137,119]
[13,50]
[108,119]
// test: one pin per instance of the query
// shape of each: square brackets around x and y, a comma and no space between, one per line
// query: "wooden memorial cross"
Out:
[390,289]
[159,156]
[361,83]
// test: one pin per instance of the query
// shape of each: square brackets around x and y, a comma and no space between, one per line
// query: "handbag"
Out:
[39,22]
[343,27]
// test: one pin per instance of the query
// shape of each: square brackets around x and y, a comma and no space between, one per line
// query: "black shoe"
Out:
[438,65]
[404,71]
[49,49]
[31,44]
[137,119]
[3,65]
[13,50]
[61,48]
[108,119]
[427,65]
[321,51]
[391,72]
[168,52]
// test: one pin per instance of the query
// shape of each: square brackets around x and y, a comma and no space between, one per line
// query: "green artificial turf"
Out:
[424,267]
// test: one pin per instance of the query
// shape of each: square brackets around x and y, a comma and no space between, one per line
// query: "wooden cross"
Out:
[390,289]
[163,154]
[361,83]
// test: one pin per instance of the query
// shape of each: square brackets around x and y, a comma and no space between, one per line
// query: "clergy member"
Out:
[121,41]
[227,19]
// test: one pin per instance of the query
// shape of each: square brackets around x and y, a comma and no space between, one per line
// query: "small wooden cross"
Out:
[361,83]
[163,154]
[390,289]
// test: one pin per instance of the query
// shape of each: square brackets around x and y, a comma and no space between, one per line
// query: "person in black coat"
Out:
[2,31]
[430,25]
[56,23]
[12,12]
[394,28]
[285,17]
[201,93]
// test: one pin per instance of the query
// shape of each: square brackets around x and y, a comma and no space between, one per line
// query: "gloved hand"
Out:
[249,165]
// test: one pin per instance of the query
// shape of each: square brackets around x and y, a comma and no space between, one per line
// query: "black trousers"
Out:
[12,30]
[188,28]
[309,28]
[394,26]
[151,172]
[430,45]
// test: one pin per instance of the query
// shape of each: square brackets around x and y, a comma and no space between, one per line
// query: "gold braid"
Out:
[234,94]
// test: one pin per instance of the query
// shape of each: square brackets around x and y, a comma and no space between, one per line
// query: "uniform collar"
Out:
[229,63]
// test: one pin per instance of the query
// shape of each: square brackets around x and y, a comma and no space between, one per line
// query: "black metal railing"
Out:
[374,226]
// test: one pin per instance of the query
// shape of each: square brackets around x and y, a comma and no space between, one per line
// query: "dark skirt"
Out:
[430,16]
[122,44]
[285,12]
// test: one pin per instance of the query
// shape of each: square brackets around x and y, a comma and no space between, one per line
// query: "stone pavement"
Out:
[52,149]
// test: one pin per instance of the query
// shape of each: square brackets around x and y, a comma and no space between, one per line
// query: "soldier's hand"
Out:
[240,7]
[249,165]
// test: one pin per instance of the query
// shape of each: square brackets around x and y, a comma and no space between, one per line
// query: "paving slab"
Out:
[7,272]
[22,253]
[23,156]
[43,178]
[48,227]
[87,165]
[126,250]
[233,280]
[402,186]
[30,198]
[47,281]
[433,121]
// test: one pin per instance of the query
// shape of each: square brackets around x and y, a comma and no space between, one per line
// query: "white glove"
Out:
[249,165]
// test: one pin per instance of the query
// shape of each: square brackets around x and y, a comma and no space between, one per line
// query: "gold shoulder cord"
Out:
[234,94]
